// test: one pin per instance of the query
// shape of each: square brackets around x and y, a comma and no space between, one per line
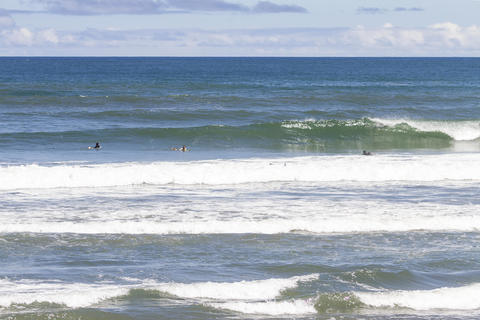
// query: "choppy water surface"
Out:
[274,213]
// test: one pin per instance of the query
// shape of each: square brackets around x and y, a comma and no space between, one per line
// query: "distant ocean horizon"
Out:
[273,212]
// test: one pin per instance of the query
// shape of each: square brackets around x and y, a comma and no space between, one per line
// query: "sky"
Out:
[286,28]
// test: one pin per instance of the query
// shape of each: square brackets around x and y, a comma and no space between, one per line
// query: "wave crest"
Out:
[310,135]
[460,298]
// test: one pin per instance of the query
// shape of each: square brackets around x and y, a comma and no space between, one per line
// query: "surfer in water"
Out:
[183,149]
[97,146]
[366,153]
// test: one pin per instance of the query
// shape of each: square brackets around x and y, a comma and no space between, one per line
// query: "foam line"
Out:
[270,226]
[74,295]
[460,298]
[215,172]
[272,308]
[243,290]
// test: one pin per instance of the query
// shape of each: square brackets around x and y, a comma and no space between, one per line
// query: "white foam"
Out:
[73,295]
[261,208]
[310,169]
[458,130]
[329,224]
[273,308]
[461,298]
[309,124]
[240,296]
[243,290]
[76,295]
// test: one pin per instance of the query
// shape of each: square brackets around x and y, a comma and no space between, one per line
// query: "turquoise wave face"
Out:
[322,136]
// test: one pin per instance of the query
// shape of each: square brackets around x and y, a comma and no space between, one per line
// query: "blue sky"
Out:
[239,28]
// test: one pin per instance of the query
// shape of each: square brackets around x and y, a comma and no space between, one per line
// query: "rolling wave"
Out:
[76,295]
[249,297]
[318,135]
[436,300]
[243,290]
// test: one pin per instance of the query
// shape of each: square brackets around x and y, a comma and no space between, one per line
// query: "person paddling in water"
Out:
[97,146]
[183,149]
[366,153]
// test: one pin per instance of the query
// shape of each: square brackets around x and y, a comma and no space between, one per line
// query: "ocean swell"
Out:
[310,135]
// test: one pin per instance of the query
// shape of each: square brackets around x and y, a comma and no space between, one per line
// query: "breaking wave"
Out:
[76,295]
[460,298]
[311,135]
[249,297]
[216,172]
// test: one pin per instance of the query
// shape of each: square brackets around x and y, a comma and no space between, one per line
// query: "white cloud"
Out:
[386,36]
[452,35]
[48,35]
[26,37]
[18,36]
[442,39]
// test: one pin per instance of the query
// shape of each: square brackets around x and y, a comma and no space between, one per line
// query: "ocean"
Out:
[272,213]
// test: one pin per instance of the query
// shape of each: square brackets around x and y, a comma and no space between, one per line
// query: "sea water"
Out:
[272,213]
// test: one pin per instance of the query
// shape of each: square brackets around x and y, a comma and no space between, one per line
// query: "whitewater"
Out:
[403,167]
[264,297]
